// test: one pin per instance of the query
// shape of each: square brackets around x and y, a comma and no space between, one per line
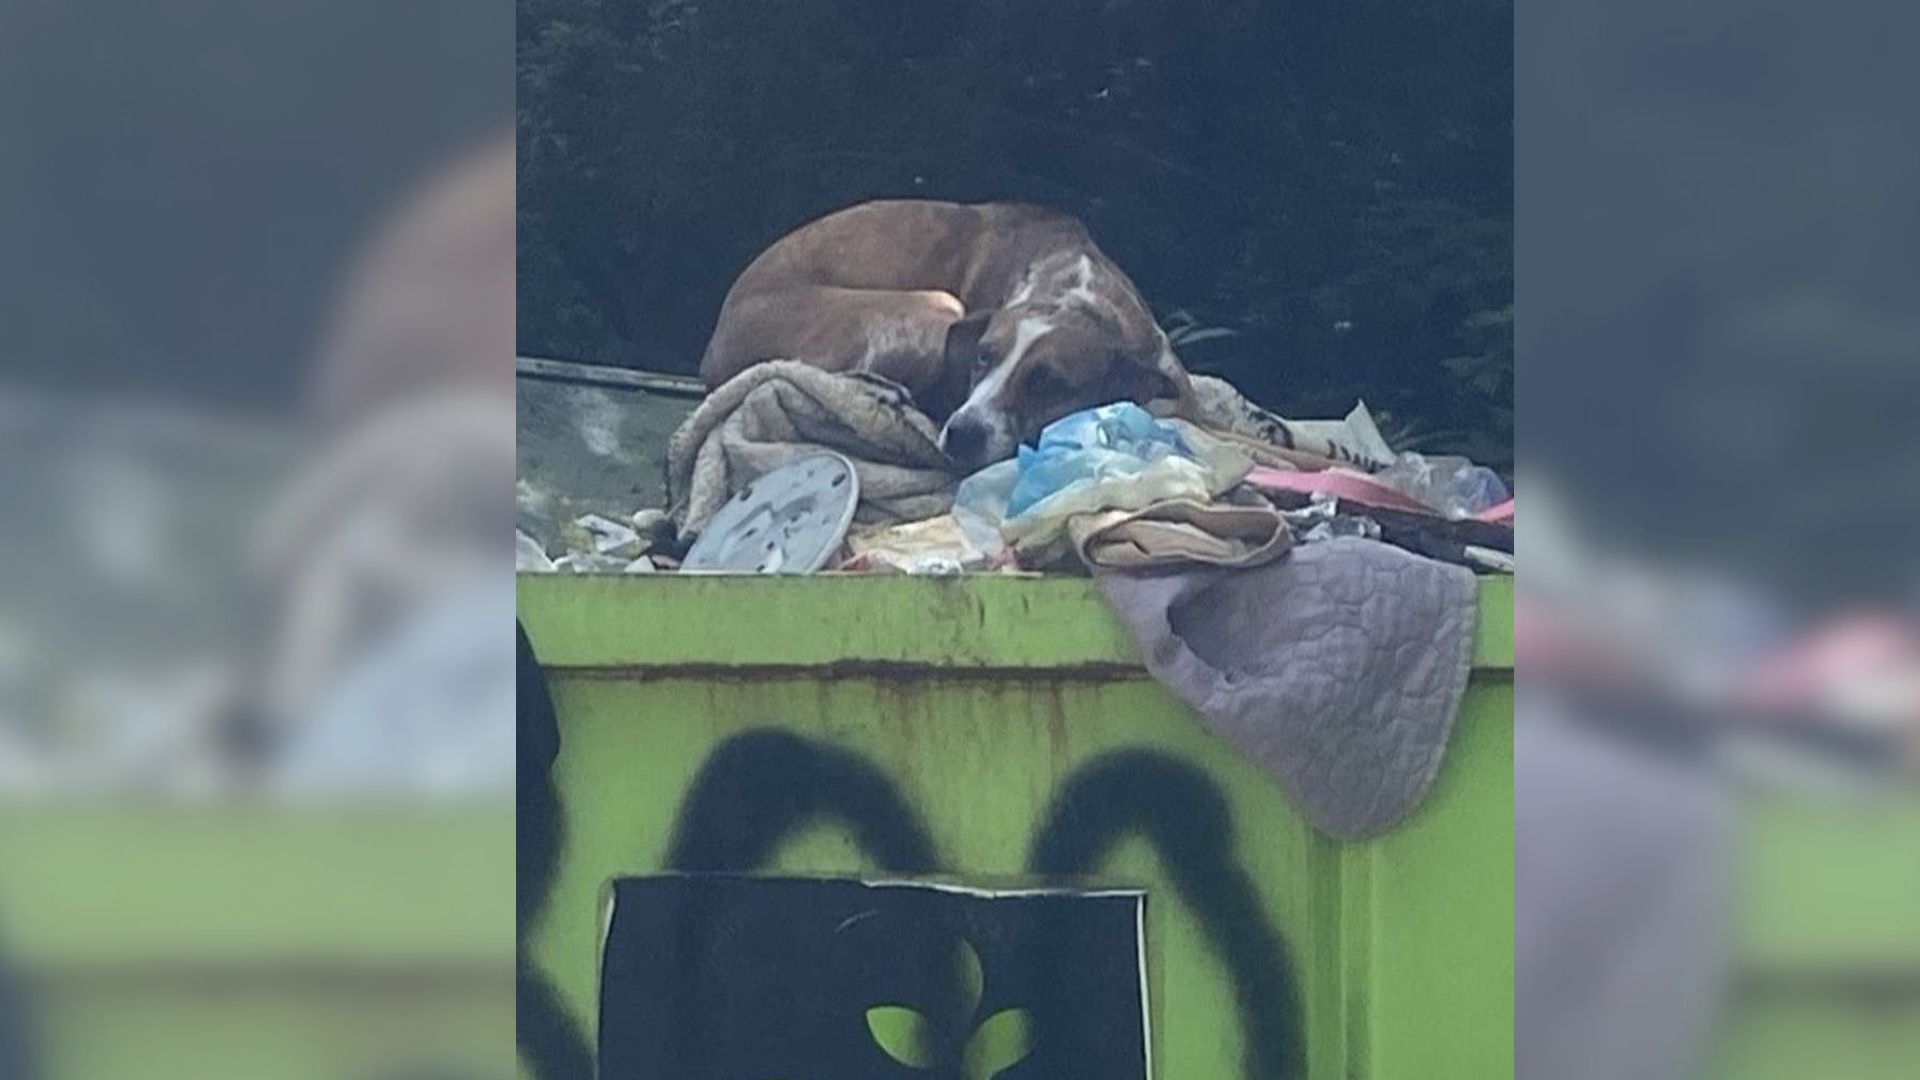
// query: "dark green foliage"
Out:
[1332,181]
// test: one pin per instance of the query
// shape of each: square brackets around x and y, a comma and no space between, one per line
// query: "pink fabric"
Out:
[1497,514]
[1338,482]
[1850,649]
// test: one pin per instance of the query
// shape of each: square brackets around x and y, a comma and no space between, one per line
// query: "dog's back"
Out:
[907,244]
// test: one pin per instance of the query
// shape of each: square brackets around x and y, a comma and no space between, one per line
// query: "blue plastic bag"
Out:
[1112,440]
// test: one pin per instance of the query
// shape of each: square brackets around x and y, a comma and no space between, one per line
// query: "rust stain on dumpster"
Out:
[882,671]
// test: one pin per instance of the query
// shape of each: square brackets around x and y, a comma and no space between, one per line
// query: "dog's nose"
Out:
[965,441]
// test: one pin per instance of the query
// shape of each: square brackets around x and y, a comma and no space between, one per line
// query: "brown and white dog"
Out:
[998,318]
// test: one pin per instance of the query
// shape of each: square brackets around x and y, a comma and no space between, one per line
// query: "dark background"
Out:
[182,186]
[1719,258]
[1330,180]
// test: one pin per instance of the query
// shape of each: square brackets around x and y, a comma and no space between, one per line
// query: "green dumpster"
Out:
[1270,948]
[243,939]
[1826,938]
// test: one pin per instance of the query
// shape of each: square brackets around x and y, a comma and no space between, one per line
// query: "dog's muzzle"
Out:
[973,442]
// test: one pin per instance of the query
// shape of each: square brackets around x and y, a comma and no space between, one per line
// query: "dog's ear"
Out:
[957,356]
[963,341]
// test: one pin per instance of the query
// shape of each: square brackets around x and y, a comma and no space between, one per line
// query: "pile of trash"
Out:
[1114,487]
[596,544]
[1712,666]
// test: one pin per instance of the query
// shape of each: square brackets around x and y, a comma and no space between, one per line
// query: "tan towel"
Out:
[774,412]
[1180,531]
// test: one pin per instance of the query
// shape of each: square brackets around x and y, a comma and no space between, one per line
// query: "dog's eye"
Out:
[982,362]
[1046,383]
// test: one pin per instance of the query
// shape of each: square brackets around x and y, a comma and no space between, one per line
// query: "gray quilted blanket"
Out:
[1338,668]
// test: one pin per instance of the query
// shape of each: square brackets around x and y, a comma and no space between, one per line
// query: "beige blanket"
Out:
[774,412]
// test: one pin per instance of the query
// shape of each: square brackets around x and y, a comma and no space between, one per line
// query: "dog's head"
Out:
[1028,365]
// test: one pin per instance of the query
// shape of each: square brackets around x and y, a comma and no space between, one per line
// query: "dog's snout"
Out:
[965,441]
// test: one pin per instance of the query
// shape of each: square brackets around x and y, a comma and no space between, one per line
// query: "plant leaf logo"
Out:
[913,1039]
[905,1034]
[1001,1041]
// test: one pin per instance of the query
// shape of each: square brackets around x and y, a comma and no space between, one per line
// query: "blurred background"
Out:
[1717,839]
[256,284]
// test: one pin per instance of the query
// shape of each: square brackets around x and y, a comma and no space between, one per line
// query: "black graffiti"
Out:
[546,1035]
[760,788]
[1177,809]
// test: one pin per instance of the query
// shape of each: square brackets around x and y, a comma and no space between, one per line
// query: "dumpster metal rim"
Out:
[977,625]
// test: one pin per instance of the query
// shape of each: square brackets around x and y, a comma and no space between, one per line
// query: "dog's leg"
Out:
[899,335]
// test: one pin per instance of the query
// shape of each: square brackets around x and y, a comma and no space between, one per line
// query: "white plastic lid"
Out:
[790,521]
